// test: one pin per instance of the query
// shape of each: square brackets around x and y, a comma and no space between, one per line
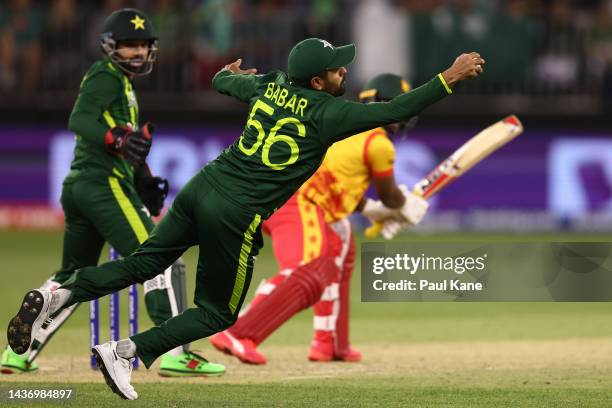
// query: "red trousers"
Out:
[300,235]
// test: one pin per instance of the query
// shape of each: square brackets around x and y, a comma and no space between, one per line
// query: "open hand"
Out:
[235,68]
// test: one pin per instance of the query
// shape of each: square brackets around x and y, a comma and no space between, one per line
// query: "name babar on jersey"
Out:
[281,97]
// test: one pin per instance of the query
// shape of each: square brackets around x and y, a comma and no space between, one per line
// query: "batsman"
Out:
[294,118]
[110,194]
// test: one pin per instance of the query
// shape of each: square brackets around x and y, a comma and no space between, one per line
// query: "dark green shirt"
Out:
[289,130]
[106,99]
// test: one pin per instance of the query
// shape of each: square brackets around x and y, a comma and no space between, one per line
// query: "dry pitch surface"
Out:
[480,363]
[572,372]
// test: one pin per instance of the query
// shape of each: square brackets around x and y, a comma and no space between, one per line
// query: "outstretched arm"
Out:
[235,81]
[342,118]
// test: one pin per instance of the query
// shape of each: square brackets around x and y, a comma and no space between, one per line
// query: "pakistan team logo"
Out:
[327,44]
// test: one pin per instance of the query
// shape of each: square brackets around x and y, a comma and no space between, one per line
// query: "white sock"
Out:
[59,299]
[126,348]
[177,351]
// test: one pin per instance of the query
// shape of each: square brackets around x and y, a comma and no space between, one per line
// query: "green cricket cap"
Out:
[313,56]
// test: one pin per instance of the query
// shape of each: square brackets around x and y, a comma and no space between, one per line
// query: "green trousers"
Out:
[106,210]
[229,238]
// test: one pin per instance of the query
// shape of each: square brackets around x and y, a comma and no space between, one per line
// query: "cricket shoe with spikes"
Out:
[13,363]
[321,356]
[188,364]
[244,349]
[24,326]
[117,370]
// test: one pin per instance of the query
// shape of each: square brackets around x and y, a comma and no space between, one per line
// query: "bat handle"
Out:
[373,230]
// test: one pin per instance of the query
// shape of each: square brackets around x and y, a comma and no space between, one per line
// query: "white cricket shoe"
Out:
[24,327]
[117,370]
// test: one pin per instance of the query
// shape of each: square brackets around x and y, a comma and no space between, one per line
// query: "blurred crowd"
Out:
[531,45]
[48,44]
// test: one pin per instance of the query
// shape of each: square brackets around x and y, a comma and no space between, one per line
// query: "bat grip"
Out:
[373,230]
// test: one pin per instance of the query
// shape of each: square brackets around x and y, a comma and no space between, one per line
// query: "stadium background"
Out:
[550,62]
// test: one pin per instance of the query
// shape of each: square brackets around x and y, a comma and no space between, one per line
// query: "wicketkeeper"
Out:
[110,194]
[293,120]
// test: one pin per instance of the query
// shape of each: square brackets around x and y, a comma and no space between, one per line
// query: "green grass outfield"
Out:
[415,354]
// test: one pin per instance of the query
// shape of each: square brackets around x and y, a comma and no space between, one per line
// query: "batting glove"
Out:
[392,227]
[376,211]
[415,207]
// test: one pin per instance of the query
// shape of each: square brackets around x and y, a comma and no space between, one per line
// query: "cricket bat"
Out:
[467,156]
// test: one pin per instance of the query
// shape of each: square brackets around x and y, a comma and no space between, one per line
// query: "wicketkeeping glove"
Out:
[152,190]
[133,145]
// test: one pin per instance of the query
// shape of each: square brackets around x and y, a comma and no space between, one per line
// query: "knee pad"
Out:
[333,243]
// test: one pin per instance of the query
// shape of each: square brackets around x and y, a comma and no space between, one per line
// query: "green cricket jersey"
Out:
[289,130]
[106,99]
